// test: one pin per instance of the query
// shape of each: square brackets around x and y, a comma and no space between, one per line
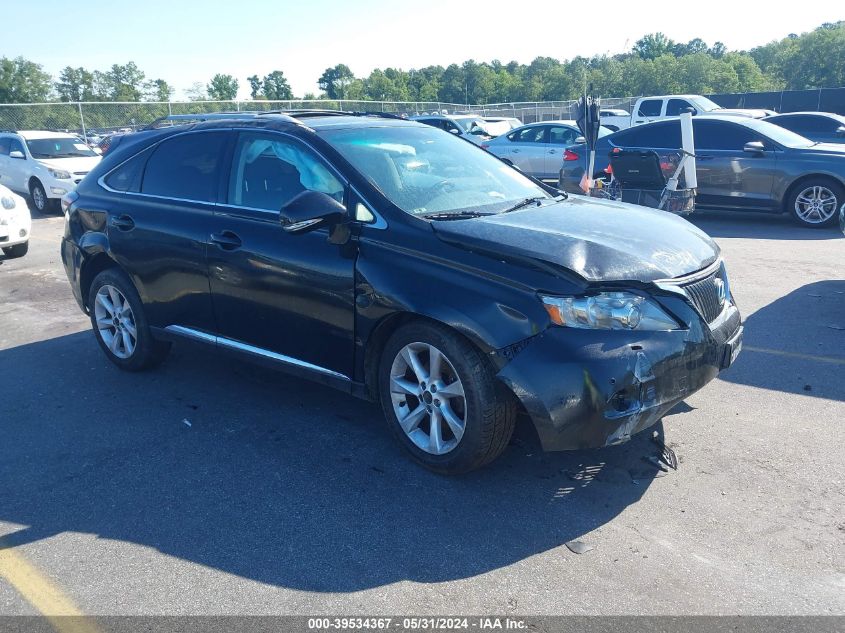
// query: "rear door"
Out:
[159,227]
[281,294]
[728,176]
[559,138]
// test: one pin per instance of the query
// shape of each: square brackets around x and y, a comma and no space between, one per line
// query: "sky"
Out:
[185,42]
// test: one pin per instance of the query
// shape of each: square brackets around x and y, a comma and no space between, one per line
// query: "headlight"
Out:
[608,311]
[59,173]
[7,202]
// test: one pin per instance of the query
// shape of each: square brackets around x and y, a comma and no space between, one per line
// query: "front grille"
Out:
[706,296]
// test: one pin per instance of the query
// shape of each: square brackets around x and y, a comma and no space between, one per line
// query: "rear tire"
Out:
[18,250]
[815,202]
[120,325]
[474,414]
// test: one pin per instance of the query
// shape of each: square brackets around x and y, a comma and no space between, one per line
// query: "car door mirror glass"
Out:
[579,140]
[311,210]
[754,147]
[16,153]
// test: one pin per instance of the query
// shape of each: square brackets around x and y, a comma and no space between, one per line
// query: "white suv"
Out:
[15,223]
[45,165]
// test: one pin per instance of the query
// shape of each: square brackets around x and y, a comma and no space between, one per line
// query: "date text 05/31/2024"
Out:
[480,623]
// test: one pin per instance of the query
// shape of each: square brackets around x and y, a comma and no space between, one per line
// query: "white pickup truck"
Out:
[648,109]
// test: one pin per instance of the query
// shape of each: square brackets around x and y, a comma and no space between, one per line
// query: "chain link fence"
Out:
[104,117]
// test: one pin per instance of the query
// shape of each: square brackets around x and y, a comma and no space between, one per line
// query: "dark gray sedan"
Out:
[742,164]
[821,127]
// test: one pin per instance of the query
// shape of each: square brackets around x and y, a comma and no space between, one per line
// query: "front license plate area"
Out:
[732,349]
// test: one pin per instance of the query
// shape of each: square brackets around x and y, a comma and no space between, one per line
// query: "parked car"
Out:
[821,127]
[400,264]
[468,126]
[609,116]
[742,164]
[648,109]
[45,165]
[537,149]
[15,223]
[498,125]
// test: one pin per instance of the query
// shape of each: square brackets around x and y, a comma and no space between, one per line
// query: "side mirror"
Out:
[840,131]
[580,140]
[455,131]
[754,147]
[311,210]
[16,154]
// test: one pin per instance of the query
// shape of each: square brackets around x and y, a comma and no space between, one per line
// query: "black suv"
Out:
[398,263]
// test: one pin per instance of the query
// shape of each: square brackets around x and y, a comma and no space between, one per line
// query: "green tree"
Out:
[652,46]
[75,84]
[275,87]
[23,81]
[335,81]
[223,88]
[158,90]
[123,82]
[196,92]
[255,87]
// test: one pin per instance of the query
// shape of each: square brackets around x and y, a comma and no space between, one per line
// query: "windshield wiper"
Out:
[526,202]
[456,215]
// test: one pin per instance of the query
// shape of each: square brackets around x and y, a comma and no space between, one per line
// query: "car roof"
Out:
[571,122]
[307,119]
[31,135]
[832,115]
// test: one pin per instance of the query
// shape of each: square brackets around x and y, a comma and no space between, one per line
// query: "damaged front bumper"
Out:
[593,388]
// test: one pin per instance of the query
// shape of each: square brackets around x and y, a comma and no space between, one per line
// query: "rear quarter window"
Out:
[186,167]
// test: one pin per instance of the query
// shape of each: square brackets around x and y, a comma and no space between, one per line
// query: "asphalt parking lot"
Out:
[209,486]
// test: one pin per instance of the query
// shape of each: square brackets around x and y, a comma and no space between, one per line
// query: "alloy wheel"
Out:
[428,398]
[38,198]
[115,321]
[816,204]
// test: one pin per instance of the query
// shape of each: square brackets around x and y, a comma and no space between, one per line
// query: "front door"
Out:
[528,149]
[728,176]
[290,295]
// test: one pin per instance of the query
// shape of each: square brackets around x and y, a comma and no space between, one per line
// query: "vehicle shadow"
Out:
[796,344]
[758,225]
[276,479]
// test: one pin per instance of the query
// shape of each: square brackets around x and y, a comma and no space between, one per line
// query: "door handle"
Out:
[123,223]
[552,151]
[515,151]
[226,240]
[704,157]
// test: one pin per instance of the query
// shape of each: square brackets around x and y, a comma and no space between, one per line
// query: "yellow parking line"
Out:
[42,593]
[778,352]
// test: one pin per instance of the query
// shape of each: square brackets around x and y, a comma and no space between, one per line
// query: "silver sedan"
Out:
[538,148]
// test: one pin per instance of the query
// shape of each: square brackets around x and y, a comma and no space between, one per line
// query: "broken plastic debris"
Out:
[579,547]
[666,454]
[186,422]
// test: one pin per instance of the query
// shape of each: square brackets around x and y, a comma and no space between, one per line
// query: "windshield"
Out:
[778,134]
[703,104]
[423,170]
[58,148]
[466,124]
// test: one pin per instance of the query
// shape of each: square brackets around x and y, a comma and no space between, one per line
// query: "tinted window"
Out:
[560,135]
[4,146]
[534,134]
[269,170]
[186,167]
[651,107]
[803,124]
[675,106]
[721,135]
[660,135]
[127,177]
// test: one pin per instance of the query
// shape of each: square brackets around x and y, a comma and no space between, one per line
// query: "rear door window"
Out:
[186,167]
[533,134]
[560,135]
[664,135]
[651,107]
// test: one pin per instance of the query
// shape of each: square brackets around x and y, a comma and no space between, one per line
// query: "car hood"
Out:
[598,240]
[75,164]
[824,148]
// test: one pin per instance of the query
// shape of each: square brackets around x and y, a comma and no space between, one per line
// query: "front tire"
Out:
[120,326]
[39,197]
[441,399]
[815,202]
[18,250]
